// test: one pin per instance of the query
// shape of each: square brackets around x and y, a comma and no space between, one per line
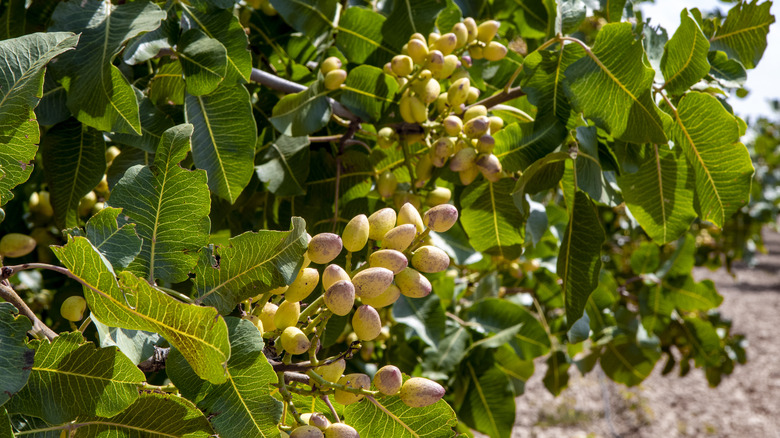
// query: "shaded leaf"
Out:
[613,9]
[395,419]
[313,18]
[557,376]
[360,37]
[70,377]
[153,122]
[13,18]
[646,258]
[743,34]
[448,353]
[655,308]
[627,363]
[424,316]
[489,404]
[689,295]
[496,315]
[203,61]
[115,237]
[17,356]
[685,56]
[729,72]
[520,145]
[490,219]
[167,85]
[368,92]
[302,113]
[285,166]
[408,17]
[137,345]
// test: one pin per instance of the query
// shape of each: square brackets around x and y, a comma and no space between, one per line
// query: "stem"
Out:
[405,148]
[503,96]
[288,398]
[311,308]
[417,241]
[336,202]
[322,382]
[170,388]
[176,294]
[38,327]
[322,317]
[326,399]
[512,79]
[85,324]
[326,138]
[349,264]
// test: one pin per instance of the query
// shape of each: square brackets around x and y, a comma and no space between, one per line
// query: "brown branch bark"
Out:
[9,294]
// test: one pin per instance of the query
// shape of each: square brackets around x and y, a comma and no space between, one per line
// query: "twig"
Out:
[503,96]
[9,294]
[332,409]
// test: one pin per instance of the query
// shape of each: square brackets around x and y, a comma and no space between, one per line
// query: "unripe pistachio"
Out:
[341,430]
[340,297]
[419,392]
[432,38]
[386,184]
[86,203]
[324,247]
[467,176]
[466,61]
[486,144]
[303,285]
[330,64]
[405,108]
[418,51]
[40,202]
[428,90]
[401,198]
[267,315]
[419,110]
[418,36]
[316,419]
[400,237]
[441,217]
[255,321]
[471,27]
[294,341]
[451,63]
[495,51]
[380,222]
[355,234]
[386,298]
[473,95]
[335,78]
[476,52]
[287,314]
[389,259]
[356,381]
[402,65]
[424,168]
[387,69]
[16,245]
[441,102]
[476,127]
[280,290]
[331,274]
[388,380]
[413,284]
[73,308]
[453,125]
[437,196]
[474,111]
[458,92]
[408,214]
[366,323]
[496,123]
[461,33]
[435,61]
[97,207]
[430,259]
[489,166]
[487,31]
[446,43]
[372,281]
[386,137]
[463,159]
[332,372]
[268,9]
[424,75]
[111,153]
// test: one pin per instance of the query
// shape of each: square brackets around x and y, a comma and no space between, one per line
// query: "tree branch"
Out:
[9,294]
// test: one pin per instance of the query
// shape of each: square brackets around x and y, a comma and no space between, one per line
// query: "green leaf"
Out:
[74,158]
[17,357]
[114,237]
[646,258]
[424,317]
[242,406]
[302,113]
[519,145]
[98,94]
[655,307]
[705,341]
[542,174]
[152,415]
[616,75]
[360,37]
[13,19]
[490,219]
[709,136]
[167,85]
[489,404]
[690,296]
[390,417]
[224,139]
[542,80]
[532,18]
[313,18]
[21,87]
[224,27]
[203,61]
[6,431]
[70,377]
[613,9]
[685,56]
[743,34]
[408,17]
[137,345]
[579,259]
[253,263]
[518,370]
[590,171]
[728,72]
[448,352]
[497,315]
[626,363]
[170,208]
[660,194]
[198,332]
[557,376]
[368,92]
[285,166]
[153,123]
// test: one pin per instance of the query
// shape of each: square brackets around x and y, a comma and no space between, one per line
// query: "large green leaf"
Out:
[98,94]
[390,417]
[114,237]
[685,56]
[360,37]
[253,263]
[285,166]
[489,404]
[709,136]
[152,415]
[199,332]
[242,406]
[410,16]
[74,158]
[521,144]
[224,27]
[490,218]
[6,430]
[424,316]
[615,75]
[542,80]
[224,140]
[626,363]
[17,356]
[302,113]
[203,61]
[313,18]
[743,34]
[579,259]
[71,377]
[21,87]
[368,92]
[557,376]
[496,315]
[170,208]
[660,194]
[729,72]
[154,121]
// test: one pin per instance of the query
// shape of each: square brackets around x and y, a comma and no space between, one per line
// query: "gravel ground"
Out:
[746,404]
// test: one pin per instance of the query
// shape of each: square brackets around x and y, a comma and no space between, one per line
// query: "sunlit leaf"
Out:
[360,37]
[368,92]
[203,61]
[743,34]
[115,237]
[490,218]
[685,56]
[408,17]
[389,416]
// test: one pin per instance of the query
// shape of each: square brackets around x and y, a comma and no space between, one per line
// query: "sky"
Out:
[762,82]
